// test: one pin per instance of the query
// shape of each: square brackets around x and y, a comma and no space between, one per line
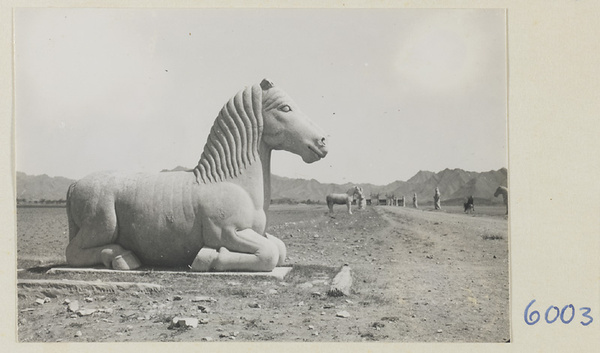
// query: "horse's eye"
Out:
[285,108]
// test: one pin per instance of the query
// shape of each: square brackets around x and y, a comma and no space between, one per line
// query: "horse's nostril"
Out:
[322,142]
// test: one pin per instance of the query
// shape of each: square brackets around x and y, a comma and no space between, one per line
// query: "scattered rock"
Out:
[67,301]
[73,306]
[203,309]
[89,299]
[184,322]
[177,297]
[254,305]
[86,312]
[342,283]
[378,325]
[206,339]
[203,299]
[39,301]
[273,291]
[343,314]
[78,334]
[439,331]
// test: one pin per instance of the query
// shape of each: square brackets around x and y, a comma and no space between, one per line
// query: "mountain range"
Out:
[455,186]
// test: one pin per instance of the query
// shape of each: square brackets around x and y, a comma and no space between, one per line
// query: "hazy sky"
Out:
[397,91]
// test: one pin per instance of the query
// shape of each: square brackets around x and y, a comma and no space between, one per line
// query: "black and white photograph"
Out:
[252,175]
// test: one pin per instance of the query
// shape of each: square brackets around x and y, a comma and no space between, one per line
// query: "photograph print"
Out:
[252,175]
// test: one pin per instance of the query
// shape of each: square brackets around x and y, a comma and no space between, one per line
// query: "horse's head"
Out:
[355,191]
[287,128]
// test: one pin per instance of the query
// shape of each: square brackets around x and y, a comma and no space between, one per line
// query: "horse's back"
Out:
[337,198]
[152,213]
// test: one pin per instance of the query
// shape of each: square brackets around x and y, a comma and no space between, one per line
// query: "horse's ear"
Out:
[266,84]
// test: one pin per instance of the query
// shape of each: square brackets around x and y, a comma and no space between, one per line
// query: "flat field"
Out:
[418,276]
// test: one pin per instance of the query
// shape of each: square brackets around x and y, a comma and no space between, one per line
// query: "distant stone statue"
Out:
[501,190]
[212,218]
[415,203]
[362,202]
[344,199]
[469,205]
[436,199]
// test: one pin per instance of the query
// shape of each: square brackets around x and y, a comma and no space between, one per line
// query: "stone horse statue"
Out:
[212,217]
[502,190]
[344,199]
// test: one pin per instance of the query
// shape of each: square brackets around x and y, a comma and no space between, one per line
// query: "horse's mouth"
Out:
[319,153]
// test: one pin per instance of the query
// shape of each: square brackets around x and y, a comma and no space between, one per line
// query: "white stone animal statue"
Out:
[501,190]
[213,217]
[344,199]
[436,199]
[362,202]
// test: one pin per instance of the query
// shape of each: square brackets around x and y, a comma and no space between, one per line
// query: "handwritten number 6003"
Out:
[553,313]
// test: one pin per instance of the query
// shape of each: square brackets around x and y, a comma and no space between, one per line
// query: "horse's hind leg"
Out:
[242,250]
[93,244]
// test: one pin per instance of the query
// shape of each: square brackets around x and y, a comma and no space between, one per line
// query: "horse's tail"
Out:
[73,227]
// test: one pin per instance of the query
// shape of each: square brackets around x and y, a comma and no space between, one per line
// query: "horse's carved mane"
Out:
[232,144]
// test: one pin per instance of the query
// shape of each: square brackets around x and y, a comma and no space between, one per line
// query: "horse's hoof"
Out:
[126,261]
[204,260]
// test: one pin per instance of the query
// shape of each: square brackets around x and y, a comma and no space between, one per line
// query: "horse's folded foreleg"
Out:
[242,250]
[280,246]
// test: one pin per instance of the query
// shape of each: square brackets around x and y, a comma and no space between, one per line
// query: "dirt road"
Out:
[453,270]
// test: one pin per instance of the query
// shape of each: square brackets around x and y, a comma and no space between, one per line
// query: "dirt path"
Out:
[453,271]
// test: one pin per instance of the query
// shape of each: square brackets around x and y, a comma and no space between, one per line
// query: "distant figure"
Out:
[469,205]
[415,205]
[436,199]
[504,192]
